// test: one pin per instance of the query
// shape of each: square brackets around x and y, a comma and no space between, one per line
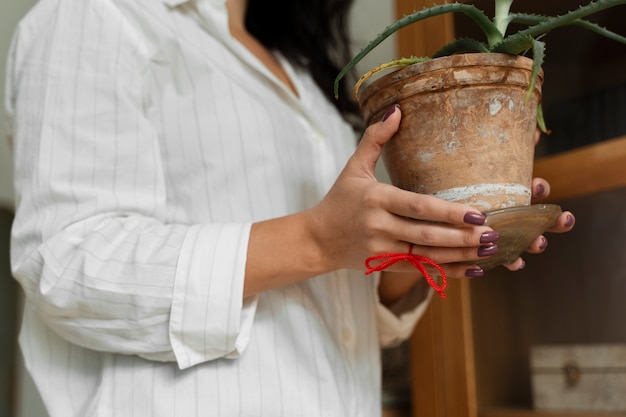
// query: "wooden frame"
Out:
[443,361]
[584,171]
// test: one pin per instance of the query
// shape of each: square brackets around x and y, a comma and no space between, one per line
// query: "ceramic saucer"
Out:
[518,228]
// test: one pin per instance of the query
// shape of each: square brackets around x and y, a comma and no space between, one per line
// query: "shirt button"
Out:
[316,136]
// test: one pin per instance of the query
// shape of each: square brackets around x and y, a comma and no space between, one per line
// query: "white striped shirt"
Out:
[147,140]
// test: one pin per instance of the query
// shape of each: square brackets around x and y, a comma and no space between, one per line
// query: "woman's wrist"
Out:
[282,251]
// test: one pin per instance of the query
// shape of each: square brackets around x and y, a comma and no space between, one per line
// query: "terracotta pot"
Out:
[467,132]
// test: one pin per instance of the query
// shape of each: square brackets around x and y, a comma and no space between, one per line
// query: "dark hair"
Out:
[311,34]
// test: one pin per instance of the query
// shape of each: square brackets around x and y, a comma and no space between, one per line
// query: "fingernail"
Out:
[487,250]
[540,190]
[544,243]
[523,265]
[390,112]
[570,221]
[489,237]
[474,272]
[474,218]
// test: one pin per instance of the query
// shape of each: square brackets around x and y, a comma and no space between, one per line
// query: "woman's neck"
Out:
[237,26]
[237,14]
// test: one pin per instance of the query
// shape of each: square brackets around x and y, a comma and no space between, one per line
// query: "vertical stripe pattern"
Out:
[147,141]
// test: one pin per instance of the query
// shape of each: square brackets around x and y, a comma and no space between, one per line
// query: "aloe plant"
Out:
[497,41]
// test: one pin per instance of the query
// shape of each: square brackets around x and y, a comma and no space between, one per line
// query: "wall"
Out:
[370,18]
[12,11]
[28,402]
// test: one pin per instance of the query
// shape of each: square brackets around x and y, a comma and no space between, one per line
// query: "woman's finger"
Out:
[540,189]
[516,265]
[537,136]
[427,208]
[564,223]
[539,245]
[452,270]
[365,157]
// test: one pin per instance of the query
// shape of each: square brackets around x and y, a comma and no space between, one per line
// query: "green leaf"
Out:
[539,52]
[402,62]
[488,27]
[460,46]
[534,19]
[514,45]
[599,30]
[568,18]
[502,15]
[541,121]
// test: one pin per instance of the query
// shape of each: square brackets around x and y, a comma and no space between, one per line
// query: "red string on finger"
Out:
[389,259]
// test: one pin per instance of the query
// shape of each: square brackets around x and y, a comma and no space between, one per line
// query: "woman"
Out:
[192,216]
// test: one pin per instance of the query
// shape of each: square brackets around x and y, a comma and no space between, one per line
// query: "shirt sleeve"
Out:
[396,323]
[91,243]
[195,335]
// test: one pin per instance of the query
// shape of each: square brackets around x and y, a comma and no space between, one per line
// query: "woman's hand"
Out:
[361,217]
[565,222]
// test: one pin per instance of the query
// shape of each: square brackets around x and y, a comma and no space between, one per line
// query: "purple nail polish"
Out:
[389,112]
[487,250]
[544,243]
[474,272]
[474,218]
[540,190]
[570,221]
[489,237]
[523,265]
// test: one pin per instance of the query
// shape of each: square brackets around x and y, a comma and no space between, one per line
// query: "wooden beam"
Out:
[587,170]
[442,350]
[442,357]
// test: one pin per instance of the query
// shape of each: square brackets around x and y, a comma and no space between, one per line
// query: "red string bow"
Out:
[416,260]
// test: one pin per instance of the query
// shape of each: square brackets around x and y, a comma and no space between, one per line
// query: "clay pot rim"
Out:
[458,60]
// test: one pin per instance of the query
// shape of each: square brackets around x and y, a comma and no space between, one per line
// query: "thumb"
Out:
[375,136]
